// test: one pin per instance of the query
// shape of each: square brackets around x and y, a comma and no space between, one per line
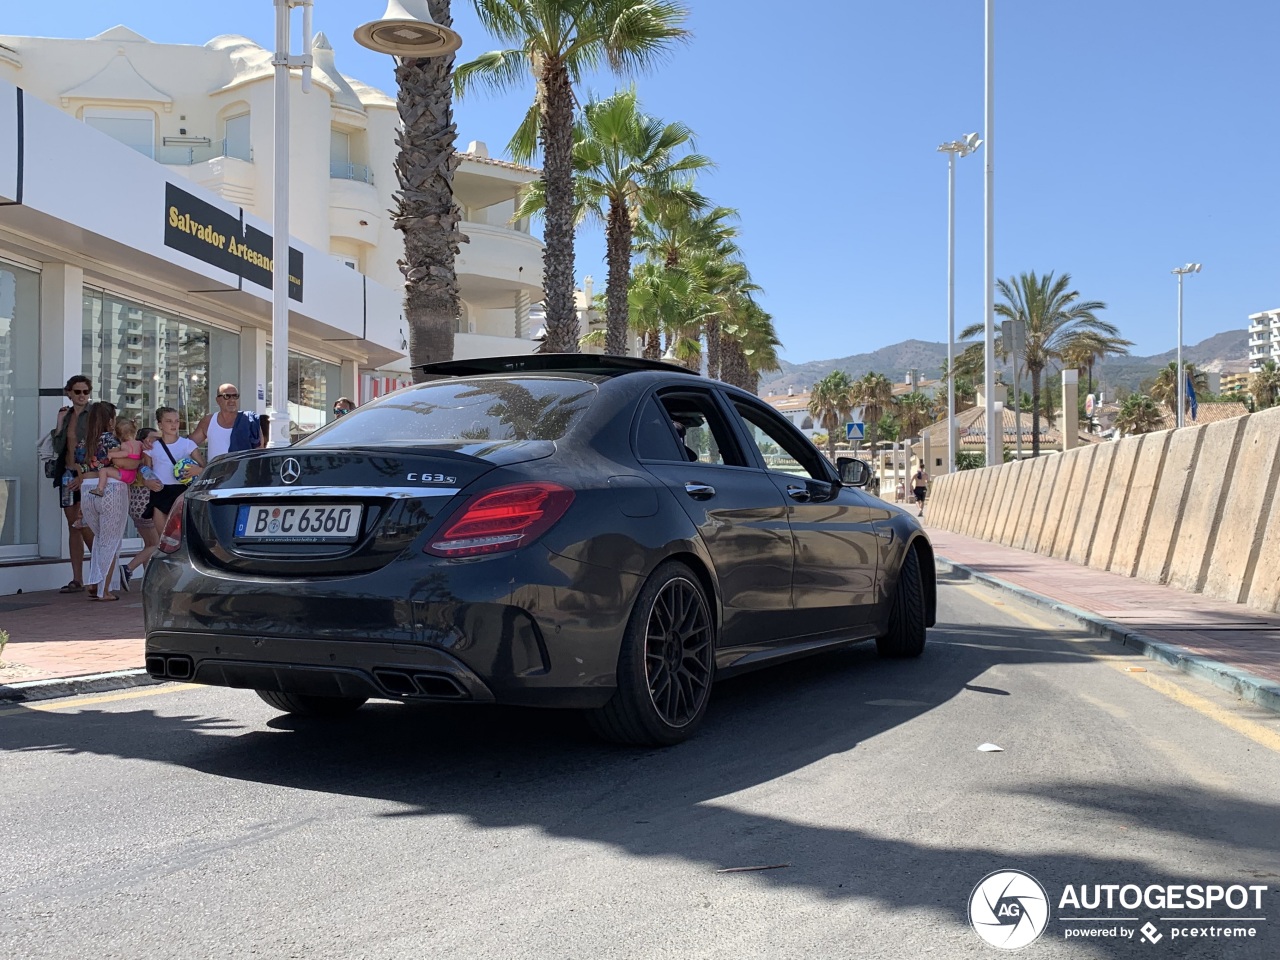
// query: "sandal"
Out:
[105,598]
[75,586]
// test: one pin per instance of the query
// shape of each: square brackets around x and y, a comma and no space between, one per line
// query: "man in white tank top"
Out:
[217,429]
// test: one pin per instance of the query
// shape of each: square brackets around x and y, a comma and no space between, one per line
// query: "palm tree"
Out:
[1053,316]
[874,393]
[750,347]
[675,235]
[560,40]
[1264,386]
[831,405]
[1165,388]
[425,210]
[1089,346]
[1138,414]
[622,158]
[915,412]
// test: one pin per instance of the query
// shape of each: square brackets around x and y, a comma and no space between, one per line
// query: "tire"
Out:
[906,634]
[312,706]
[666,664]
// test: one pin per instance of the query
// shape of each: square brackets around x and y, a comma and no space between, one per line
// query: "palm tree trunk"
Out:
[713,347]
[556,134]
[425,210]
[734,366]
[653,344]
[618,254]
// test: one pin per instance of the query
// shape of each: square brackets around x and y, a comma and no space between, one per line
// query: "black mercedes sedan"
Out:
[601,533]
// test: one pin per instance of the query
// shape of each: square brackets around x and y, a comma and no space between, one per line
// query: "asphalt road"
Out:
[189,822]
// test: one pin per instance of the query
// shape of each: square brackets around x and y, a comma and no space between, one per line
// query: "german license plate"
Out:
[299,522]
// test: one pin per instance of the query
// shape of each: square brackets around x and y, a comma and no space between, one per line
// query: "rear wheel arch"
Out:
[705,578]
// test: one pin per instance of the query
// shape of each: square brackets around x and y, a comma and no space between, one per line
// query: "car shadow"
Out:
[505,767]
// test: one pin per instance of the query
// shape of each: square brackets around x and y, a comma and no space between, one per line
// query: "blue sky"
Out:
[1130,138]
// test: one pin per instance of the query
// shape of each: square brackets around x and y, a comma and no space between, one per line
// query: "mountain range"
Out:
[1229,348]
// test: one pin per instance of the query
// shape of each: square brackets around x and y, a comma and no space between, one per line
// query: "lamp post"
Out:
[1180,373]
[953,149]
[284,62]
[994,444]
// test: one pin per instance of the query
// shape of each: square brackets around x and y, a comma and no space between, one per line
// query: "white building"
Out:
[135,203]
[1264,338]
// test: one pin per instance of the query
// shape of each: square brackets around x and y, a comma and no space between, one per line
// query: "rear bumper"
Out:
[537,630]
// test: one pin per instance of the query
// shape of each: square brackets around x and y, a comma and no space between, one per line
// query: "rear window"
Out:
[481,409]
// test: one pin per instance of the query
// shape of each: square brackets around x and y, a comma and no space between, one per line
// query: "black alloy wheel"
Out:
[665,665]
[678,652]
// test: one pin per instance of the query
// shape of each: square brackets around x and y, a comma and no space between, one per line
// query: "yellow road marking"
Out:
[74,702]
[1257,732]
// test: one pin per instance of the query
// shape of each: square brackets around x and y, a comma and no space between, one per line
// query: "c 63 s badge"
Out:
[430,478]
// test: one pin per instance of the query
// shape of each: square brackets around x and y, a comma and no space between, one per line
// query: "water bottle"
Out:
[67,496]
[147,472]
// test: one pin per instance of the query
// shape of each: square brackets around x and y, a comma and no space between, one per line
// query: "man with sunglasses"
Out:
[230,430]
[69,445]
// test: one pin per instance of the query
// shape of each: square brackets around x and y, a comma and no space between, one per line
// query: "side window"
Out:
[780,448]
[706,436]
[656,435]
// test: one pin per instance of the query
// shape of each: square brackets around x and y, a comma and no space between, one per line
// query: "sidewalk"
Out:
[60,645]
[1230,645]
[64,644]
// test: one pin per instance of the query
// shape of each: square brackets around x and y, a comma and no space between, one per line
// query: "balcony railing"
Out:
[185,156]
[350,171]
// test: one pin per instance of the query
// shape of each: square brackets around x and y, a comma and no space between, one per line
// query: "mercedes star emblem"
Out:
[290,470]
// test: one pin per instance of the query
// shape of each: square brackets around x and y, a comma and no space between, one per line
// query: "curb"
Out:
[1248,686]
[28,690]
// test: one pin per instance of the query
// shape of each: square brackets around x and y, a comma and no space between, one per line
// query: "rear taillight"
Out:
[171,538]
[501,520]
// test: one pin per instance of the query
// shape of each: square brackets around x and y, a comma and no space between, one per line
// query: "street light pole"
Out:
[995,441]
[1180,373]
[278,410]
[963,148]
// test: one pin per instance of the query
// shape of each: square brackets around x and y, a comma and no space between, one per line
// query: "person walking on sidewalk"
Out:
[230,430]
[108,514]
[920,486]
[69,446]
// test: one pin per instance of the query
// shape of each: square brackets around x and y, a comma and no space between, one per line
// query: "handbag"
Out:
[48,455]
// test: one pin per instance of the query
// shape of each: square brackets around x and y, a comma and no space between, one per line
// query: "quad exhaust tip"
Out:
[437,686]
[170,668]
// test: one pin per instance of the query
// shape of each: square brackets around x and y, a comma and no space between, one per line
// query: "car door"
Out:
[833,583]
[686,442]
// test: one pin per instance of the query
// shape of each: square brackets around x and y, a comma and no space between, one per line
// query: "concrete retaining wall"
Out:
[1192,507]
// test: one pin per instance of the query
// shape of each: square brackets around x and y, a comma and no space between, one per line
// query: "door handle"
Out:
[700,491]
[799,494]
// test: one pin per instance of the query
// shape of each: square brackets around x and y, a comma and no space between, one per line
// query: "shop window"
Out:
[21,478]
[314,387]
[141,358]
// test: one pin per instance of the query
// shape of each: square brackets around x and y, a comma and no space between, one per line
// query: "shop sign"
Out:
[208,233]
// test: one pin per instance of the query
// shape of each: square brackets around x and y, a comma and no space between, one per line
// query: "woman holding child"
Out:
[104,501]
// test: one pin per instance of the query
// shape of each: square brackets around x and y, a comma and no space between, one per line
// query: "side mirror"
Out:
[853,472]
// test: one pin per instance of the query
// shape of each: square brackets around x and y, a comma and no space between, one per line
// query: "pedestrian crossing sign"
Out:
[854,431]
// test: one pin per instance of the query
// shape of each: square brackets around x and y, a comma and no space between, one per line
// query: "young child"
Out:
[129,451]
